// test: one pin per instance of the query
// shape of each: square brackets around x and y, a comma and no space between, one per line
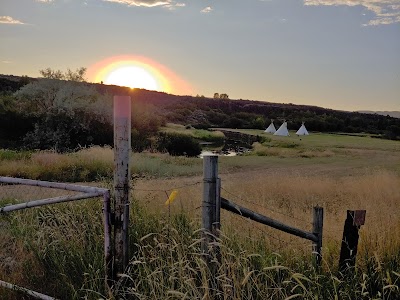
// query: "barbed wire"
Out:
[166,190]
[286,243]
[262,206]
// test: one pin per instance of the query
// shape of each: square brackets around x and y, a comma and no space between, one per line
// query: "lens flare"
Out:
[137,72]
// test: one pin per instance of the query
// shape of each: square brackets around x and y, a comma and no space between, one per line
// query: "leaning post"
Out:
[122,149]
[318,222]
[348,251]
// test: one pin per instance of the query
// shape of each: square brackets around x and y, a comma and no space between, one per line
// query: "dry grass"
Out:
[62,244]
[290,198]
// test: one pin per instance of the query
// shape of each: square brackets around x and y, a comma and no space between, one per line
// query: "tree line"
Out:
[61,111]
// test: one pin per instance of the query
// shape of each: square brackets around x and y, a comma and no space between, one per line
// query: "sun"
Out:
[138,72]
[133,77]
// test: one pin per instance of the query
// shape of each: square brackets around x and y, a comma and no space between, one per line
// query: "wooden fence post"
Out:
[348,252]
[318,222]
[211,202]
[211,220]
[122,147]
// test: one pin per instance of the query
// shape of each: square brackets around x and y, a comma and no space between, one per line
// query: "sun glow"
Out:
[134,77]
[137,72]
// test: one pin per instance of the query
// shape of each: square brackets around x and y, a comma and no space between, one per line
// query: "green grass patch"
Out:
[6,154]
[215,137]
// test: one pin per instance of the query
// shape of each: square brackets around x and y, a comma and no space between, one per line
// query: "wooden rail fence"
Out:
[211,221]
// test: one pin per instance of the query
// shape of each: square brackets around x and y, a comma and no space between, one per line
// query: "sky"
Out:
[339,54]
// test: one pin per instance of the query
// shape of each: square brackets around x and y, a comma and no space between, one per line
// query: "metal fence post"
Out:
[318,221]
[122,147]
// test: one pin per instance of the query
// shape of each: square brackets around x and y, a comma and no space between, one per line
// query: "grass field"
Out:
[62,244]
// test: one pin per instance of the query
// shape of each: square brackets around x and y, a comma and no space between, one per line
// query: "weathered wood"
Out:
[122,147]
[53,185]
[41,202]
[247,213]
[210,220]
[318,220]
[107,240]
[348,250]
[25,291]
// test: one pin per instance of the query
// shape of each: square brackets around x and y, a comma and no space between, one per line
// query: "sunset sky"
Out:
[340,54]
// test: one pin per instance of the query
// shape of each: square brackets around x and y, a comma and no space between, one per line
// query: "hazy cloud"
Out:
[173,6]
[206,10]
[10,20]
[6,61]
[386,11]
[149,3]
[45,1]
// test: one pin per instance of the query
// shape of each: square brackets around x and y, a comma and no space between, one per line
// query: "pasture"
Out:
[283,177]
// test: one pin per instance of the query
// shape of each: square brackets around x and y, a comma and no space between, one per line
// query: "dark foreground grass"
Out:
[58,250]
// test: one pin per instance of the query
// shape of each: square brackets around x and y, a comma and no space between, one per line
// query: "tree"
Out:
[216,96]
[223,96]
[259,123]
[68,113]
[78,75]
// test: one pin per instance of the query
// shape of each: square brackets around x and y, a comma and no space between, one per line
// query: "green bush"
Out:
[178,144]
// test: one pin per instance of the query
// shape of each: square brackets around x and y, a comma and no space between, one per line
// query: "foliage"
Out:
[14,155]
[203,135]
[68,114]
[178,144]
[78,75]
[14,124]
[249,114]
[30,115]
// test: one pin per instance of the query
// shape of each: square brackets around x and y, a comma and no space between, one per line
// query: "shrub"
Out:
[178,144]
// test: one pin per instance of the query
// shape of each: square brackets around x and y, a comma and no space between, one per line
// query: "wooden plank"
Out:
[247,213]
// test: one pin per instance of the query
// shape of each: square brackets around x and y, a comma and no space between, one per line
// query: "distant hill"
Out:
[203,112]
[394,114]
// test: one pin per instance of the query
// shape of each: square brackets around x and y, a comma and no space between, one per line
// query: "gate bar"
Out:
[247,213]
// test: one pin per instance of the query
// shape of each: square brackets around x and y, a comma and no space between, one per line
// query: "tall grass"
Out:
[166,263]
[58,250]
[93,164]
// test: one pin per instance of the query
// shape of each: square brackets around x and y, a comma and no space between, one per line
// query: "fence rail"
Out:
[211,219]
[86,192]
[247,213]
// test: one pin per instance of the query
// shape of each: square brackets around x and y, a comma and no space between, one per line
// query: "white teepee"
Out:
[302,130]
[282,130]
[271,128]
